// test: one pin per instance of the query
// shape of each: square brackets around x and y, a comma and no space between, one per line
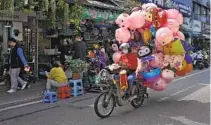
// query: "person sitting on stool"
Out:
[56,77]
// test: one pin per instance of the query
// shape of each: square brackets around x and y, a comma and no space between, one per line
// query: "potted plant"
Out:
[76,66]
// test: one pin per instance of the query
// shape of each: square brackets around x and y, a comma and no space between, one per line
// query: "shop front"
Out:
[22,27]
[97,26]
[206,33]
[186,28]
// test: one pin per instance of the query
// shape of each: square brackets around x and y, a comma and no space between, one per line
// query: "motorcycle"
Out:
[200,63]
[112,95]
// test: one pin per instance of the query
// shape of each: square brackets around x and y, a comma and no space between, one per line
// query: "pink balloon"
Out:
[136,9]
[167,60]
[164,36]
[158,46]
[177,61]
[116,56]
[136,20]
[122,35]
[122,20]
[168,75]
[149,6]
[159,85]
[175,14]
[173,25]
[179,35]
[158,61]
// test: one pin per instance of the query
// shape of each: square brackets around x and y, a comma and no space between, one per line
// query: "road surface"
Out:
[186,101]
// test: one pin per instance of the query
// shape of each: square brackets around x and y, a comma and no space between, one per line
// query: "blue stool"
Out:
[49,97]
[77,87]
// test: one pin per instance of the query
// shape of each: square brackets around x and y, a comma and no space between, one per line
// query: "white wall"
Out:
[18,26]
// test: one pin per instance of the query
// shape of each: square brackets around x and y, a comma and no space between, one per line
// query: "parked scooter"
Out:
[200,63]
[90,77]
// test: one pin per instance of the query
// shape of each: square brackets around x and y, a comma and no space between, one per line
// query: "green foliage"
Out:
[7,5]
[76,65]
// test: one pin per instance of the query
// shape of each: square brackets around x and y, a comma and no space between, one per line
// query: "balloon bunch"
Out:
[162,50]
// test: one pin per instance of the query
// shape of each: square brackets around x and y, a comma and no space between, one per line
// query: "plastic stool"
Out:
[63,92]
[77,87]
[50,97]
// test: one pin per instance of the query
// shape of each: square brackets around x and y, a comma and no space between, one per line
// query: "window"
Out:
[203,10]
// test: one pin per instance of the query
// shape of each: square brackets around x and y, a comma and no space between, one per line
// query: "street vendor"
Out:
[129,62]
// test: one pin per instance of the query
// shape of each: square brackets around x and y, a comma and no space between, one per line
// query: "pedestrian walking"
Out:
[16,61]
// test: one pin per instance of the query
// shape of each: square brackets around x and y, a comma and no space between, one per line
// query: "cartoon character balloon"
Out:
[146,36]
[177,61]
[164,36]
[144,51]
[157,16]
[167,60]
[168,75]
[122,35]
[176,15]
[174,48]
[122,20]
[173,25]
[114,45]
[159,85]
[148,6]
[158,61]
[116,56]
[136,20]
[179,35]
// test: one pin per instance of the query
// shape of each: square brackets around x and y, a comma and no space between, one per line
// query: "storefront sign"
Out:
[184,6]
[196,26]
[187,23]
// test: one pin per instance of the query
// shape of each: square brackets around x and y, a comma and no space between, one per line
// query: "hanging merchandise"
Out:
[105,15]
[86,14]
[164,52]
[99,17]
[93,14]
[111,17]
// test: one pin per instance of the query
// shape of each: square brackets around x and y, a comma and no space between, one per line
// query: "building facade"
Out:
[201,20]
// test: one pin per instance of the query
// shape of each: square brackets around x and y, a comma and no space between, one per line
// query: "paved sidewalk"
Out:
[31,94]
